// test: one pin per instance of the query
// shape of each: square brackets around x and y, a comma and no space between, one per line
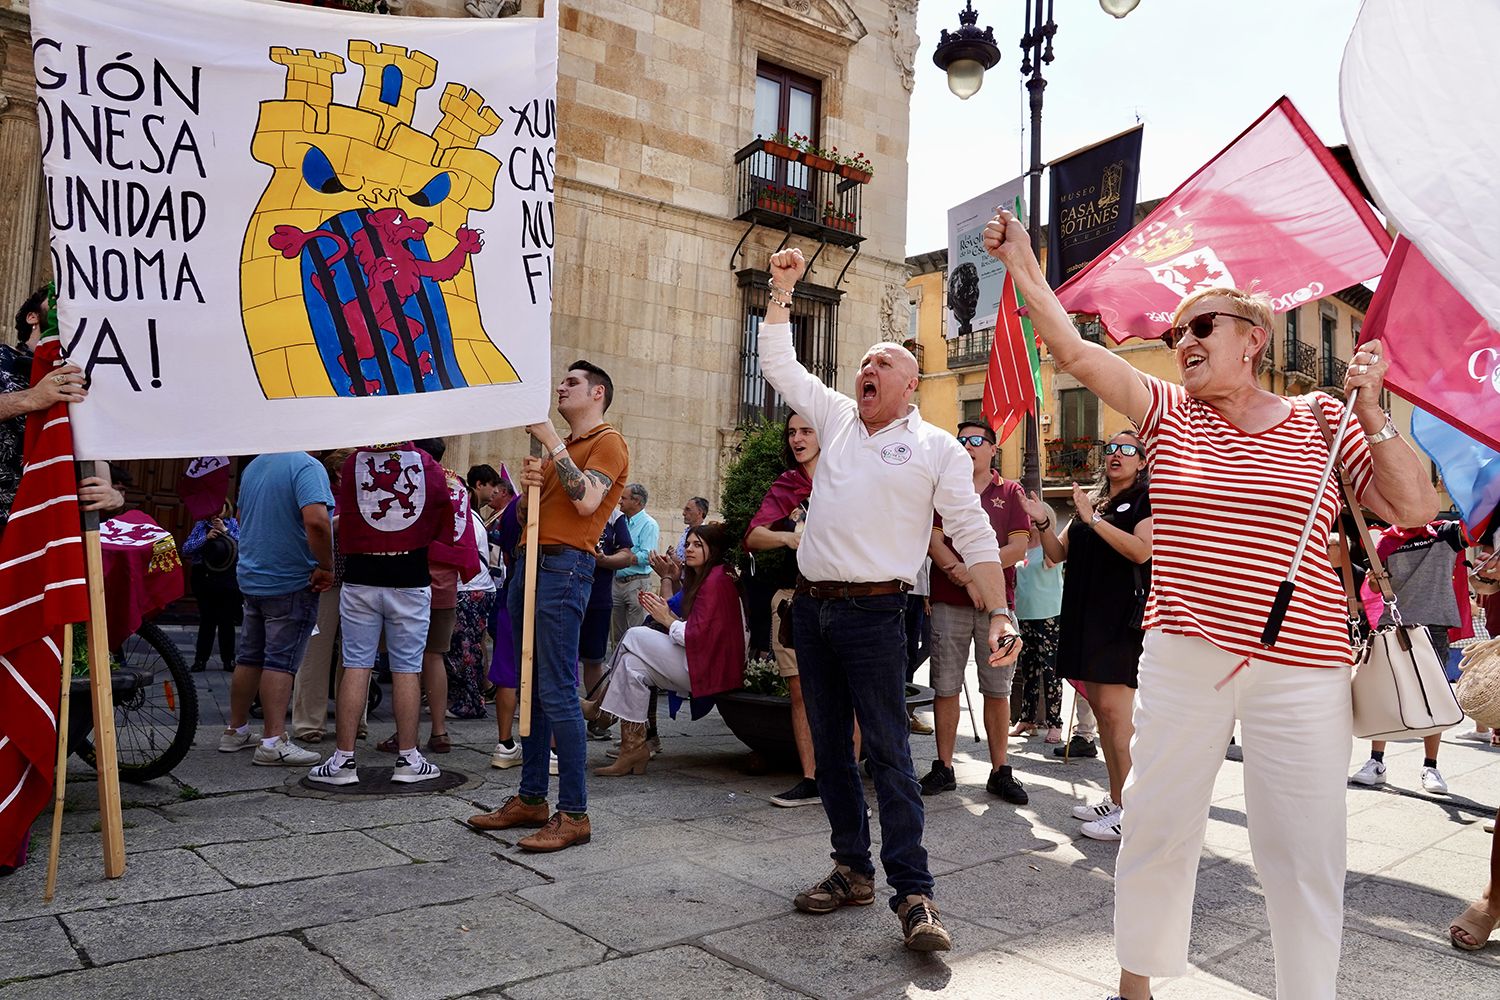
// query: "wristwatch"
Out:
[1096,518]
[1385,433]
[1004,613]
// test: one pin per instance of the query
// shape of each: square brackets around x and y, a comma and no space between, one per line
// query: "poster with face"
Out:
[974,277]
[308,230]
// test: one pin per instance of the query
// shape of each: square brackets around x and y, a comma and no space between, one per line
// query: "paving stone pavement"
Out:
[240,883]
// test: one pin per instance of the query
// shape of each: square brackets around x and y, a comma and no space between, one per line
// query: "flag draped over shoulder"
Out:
[42,590]
[1273,208]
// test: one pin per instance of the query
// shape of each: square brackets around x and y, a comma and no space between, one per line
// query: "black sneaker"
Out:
[1005,785]
[1078,746]
[939,779]
[597,731]
[803,793]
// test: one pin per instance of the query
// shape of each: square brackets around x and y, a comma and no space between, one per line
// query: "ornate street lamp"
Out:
[966,53]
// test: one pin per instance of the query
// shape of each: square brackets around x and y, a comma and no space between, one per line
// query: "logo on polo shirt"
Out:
[895,454]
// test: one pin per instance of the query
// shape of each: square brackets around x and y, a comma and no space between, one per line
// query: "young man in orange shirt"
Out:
[581,480]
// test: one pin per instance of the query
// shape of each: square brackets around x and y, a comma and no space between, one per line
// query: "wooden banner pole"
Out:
[528,616]
[111,824]
[60,782]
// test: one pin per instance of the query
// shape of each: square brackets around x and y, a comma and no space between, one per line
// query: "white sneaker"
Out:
[284,754]
[1373,773]
[1088,812]
[1474,736]
[503,758]
[414,767]
[1432,782]
[329,773]
[1106,827]
[552,763]
[230,740]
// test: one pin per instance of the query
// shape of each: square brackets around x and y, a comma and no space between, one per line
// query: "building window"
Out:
[815,313]
[1090,328]
[972,410]
[1079,409]
[785,102]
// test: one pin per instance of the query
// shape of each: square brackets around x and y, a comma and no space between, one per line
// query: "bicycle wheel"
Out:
[154,724]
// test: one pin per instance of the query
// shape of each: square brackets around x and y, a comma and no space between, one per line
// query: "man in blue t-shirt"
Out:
[285,561]
[612,553]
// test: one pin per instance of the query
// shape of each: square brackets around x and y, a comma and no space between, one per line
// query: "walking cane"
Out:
[61,782]
[969,702]
[1288,587]
[528,616]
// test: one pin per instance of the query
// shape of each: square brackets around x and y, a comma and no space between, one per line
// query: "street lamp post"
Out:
[964,55]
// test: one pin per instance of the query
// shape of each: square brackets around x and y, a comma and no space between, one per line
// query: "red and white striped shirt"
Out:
[1228,509]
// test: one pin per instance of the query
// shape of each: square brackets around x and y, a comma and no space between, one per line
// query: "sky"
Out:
[1196,72]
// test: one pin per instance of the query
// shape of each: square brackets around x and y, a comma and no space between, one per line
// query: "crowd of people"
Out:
[901,543]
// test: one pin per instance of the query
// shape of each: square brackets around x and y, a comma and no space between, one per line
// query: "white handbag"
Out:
[1400,689]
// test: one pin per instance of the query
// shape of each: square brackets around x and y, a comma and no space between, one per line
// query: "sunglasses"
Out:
[1200,326]
[974,440]
[1128,450]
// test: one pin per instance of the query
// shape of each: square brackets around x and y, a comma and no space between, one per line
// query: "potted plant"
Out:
[765,198]
[848,220]
[780,145]
[830,217]
[856,168]
[816,156]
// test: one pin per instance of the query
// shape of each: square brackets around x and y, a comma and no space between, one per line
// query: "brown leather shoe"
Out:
[920,925]
[387,745]
[561,831]
[513,812]
[439,743]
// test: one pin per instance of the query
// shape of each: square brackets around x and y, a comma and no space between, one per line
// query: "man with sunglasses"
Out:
[881,472]
[960,622]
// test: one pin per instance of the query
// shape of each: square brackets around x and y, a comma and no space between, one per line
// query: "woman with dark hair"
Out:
[1108,551]
[777,525]
[698,650]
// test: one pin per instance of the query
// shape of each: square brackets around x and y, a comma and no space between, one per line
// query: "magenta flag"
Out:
[204,485]
[1444,357]
[1273,209]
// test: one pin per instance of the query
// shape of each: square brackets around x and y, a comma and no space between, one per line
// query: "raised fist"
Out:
[787,268]
[1006,239]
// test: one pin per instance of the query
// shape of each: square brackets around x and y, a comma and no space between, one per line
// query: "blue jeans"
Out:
[562,593]
[851,655]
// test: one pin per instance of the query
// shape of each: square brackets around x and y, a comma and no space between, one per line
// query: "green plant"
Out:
[757,462]
[762,677]
[188,793]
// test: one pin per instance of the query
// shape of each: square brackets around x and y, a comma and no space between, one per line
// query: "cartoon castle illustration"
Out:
[355,276]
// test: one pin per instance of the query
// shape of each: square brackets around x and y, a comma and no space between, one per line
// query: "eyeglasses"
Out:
[1200,326]
[1128,450]
[974,440]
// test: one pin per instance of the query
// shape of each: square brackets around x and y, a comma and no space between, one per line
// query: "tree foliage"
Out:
[757,463]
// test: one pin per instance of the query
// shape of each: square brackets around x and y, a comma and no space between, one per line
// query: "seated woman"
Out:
[697,655]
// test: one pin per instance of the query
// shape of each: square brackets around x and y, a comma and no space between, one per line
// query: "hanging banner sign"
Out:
[974,277]
[278,227]
[1092,203]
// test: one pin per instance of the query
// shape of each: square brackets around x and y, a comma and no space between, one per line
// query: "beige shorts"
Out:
[955,632]
[440,629]
[786,659]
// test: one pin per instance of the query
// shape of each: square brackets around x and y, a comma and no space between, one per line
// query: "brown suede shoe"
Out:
[843,887]
[920,925]
[513,812]
[561,831]
[439,743]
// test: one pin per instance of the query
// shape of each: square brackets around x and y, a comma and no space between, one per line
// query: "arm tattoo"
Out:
[604,481]
[569,476]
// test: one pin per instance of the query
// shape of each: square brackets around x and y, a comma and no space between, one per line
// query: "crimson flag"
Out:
[1273,209]
[1444,357]
[204,485]
[42,590]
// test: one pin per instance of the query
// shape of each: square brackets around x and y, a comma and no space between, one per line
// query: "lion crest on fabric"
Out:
[357,271]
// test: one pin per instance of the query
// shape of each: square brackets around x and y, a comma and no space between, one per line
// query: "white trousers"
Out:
[1296,727]
[643,659]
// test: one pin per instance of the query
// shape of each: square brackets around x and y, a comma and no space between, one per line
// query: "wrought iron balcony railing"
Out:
[781,193]
[970,349]
[1074,461]
[1332,373]
[1301,360]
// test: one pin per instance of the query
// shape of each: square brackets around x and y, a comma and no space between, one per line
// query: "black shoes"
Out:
[803,793]
[1078,746]
[939,779]
[1005,785]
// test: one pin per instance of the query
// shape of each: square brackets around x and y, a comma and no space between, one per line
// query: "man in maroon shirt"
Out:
[961,623]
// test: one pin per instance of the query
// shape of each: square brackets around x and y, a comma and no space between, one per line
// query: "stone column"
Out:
[20,189]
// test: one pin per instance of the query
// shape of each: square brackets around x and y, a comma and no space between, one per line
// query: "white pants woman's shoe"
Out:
[1296,728]
[645,658]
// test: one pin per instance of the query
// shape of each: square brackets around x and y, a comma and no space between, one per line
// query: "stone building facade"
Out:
[660,231]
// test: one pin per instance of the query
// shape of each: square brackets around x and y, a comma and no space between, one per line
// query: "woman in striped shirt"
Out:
[1234,473]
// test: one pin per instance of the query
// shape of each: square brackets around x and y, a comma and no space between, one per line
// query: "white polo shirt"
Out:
[875,493]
